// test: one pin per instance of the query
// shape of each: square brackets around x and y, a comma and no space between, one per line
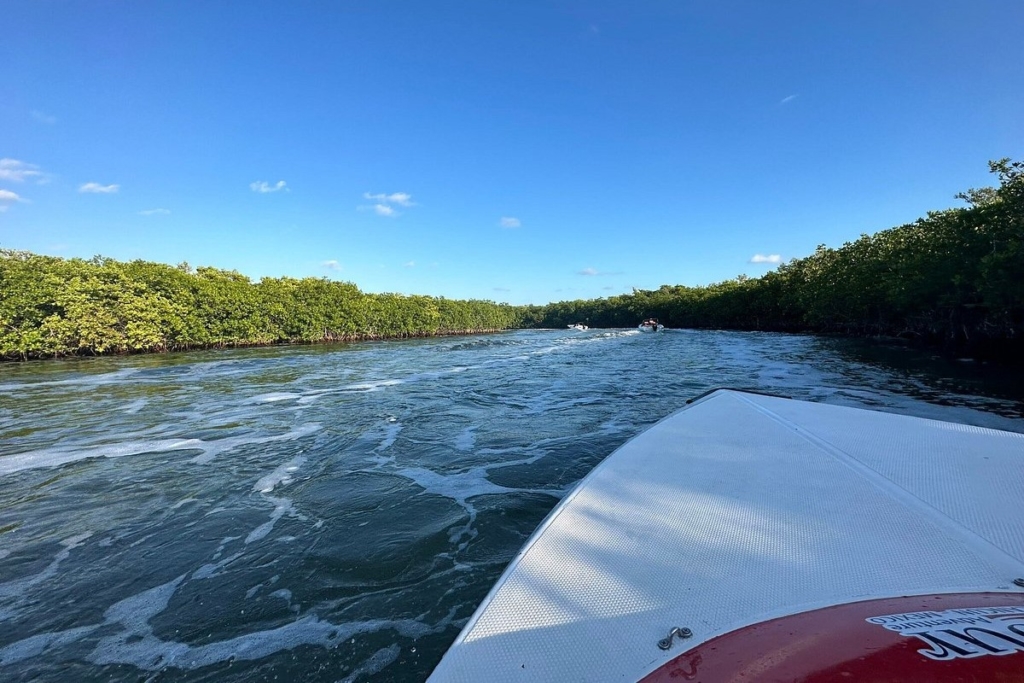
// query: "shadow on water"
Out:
[938,379]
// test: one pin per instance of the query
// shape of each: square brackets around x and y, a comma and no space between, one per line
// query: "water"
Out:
[336,513]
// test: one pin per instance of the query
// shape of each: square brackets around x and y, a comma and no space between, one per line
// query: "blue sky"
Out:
[519,151]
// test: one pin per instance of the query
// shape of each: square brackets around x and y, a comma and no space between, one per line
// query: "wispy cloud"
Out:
[501,289]
[788,99]
[762,258]
[96,188]
[19,171]
[386,203]
[263,187]
[331,265]
[510,222]
[155,212]
[594,272]
[43,117]
[7,198]
[409,264]
[399,198]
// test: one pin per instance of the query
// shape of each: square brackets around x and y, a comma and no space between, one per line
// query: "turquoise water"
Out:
[336,513]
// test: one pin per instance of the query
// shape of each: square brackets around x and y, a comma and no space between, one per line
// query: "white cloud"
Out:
[19,171]
[384,207]
[510,222]
[400,198]
[43,117]
[96,188]
[410,264]
[8,196]
[788,99]
[501,289]
[331,265]
[761,258]
[154,212]
[263,187]
[592,272]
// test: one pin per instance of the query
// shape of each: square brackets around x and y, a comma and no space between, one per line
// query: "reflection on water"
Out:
[337,512]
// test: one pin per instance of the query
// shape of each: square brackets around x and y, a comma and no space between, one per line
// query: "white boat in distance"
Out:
[650,325]
[756,538]
[578,326]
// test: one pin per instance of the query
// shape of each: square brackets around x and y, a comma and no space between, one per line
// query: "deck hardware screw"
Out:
[666,642]
[1018,582]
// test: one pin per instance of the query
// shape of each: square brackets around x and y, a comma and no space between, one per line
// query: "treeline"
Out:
[953,279]
[52,307]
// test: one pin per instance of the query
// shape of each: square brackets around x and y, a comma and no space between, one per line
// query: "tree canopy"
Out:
[954,279]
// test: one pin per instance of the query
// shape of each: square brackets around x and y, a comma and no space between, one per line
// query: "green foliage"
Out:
[954,278]
[53,307]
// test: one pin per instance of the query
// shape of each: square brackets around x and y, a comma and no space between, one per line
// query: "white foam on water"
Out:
[57,456]
[136,645]
[62,455]
[224,544]
[377,662]
[134,612]
[85,381]
[612,427]
[260,586]
[274,397]
[466,440]
[212,449]
[371,386]
[390,435]
[384,435]
[281,506]
[16,588]
[282,476]
[210,570]
[459,486]
[40,643]
[135,406]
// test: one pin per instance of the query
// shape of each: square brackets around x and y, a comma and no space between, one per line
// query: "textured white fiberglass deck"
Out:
[742,508]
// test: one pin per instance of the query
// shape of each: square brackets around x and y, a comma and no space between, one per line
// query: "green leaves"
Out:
[55,307]
[955,278]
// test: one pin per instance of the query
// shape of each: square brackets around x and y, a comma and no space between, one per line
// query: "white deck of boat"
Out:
[741,508]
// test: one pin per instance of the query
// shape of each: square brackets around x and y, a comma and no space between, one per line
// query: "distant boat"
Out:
[756,538]
[578,326]
[650,325]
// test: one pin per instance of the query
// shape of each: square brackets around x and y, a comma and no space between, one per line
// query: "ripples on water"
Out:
[336,513]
